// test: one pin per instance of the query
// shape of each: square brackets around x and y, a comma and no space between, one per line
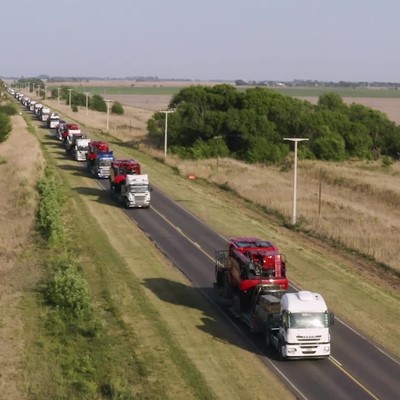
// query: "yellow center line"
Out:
[337,364]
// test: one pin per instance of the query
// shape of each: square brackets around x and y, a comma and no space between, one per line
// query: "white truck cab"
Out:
[304,326]
[81,149]
[136,191]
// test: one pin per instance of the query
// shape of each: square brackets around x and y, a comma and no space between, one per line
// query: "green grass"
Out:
[113,362]
[343,92]
[104,90]
[159,89]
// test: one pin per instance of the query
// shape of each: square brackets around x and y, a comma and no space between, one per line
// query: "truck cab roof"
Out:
[303,301]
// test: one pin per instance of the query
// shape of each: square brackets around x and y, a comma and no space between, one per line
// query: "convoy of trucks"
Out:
[250,274]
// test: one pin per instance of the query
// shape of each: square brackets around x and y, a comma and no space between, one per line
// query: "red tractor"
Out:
[248,263]
[119,170]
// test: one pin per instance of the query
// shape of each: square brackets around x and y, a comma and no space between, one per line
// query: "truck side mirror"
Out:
[331,319]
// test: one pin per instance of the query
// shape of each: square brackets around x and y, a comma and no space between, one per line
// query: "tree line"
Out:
[95,102]
[251,125]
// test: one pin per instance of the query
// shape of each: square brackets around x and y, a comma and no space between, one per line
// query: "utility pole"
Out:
[295,140]
[166,130]
[69,97]
[108,113]
[87,103]
[58,95]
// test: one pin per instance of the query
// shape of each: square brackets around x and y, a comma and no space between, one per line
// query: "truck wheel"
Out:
[280,351]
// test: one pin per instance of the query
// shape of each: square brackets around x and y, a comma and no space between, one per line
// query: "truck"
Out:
[70,142]
[80,149]
[44,114]
[60,129]
[134,191]
[36,108]
[119,170]
[99,159]
[32,105]
[295,324]
[53,121]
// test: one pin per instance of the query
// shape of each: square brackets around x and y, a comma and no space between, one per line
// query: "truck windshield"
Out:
[83,148]
[309,320]
[138,189]
[105,163]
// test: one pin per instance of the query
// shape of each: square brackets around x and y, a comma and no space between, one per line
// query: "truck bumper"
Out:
[317,350]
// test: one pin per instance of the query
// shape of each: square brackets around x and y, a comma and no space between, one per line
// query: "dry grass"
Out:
[21,164]
[359,201]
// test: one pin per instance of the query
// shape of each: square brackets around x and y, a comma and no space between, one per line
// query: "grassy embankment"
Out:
[133,343]
[356,202]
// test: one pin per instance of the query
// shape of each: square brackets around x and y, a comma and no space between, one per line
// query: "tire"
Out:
[281,356]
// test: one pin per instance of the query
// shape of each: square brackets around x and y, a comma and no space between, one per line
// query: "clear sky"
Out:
[349,40]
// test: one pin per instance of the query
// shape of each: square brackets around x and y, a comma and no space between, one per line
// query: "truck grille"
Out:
[308,339]
[140,200]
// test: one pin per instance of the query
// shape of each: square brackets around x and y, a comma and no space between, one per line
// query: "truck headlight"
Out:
[326,349]
[291,350]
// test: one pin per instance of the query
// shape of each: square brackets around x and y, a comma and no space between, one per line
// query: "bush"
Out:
[117,108]
[49,217]
[5,126]
[74,108]
[98,103]
[387,161]
[68,291]
[9,109]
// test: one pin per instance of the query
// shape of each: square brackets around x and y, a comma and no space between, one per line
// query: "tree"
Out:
[117,108]
[98,103]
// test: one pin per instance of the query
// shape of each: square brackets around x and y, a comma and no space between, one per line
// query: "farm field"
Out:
[156,96]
